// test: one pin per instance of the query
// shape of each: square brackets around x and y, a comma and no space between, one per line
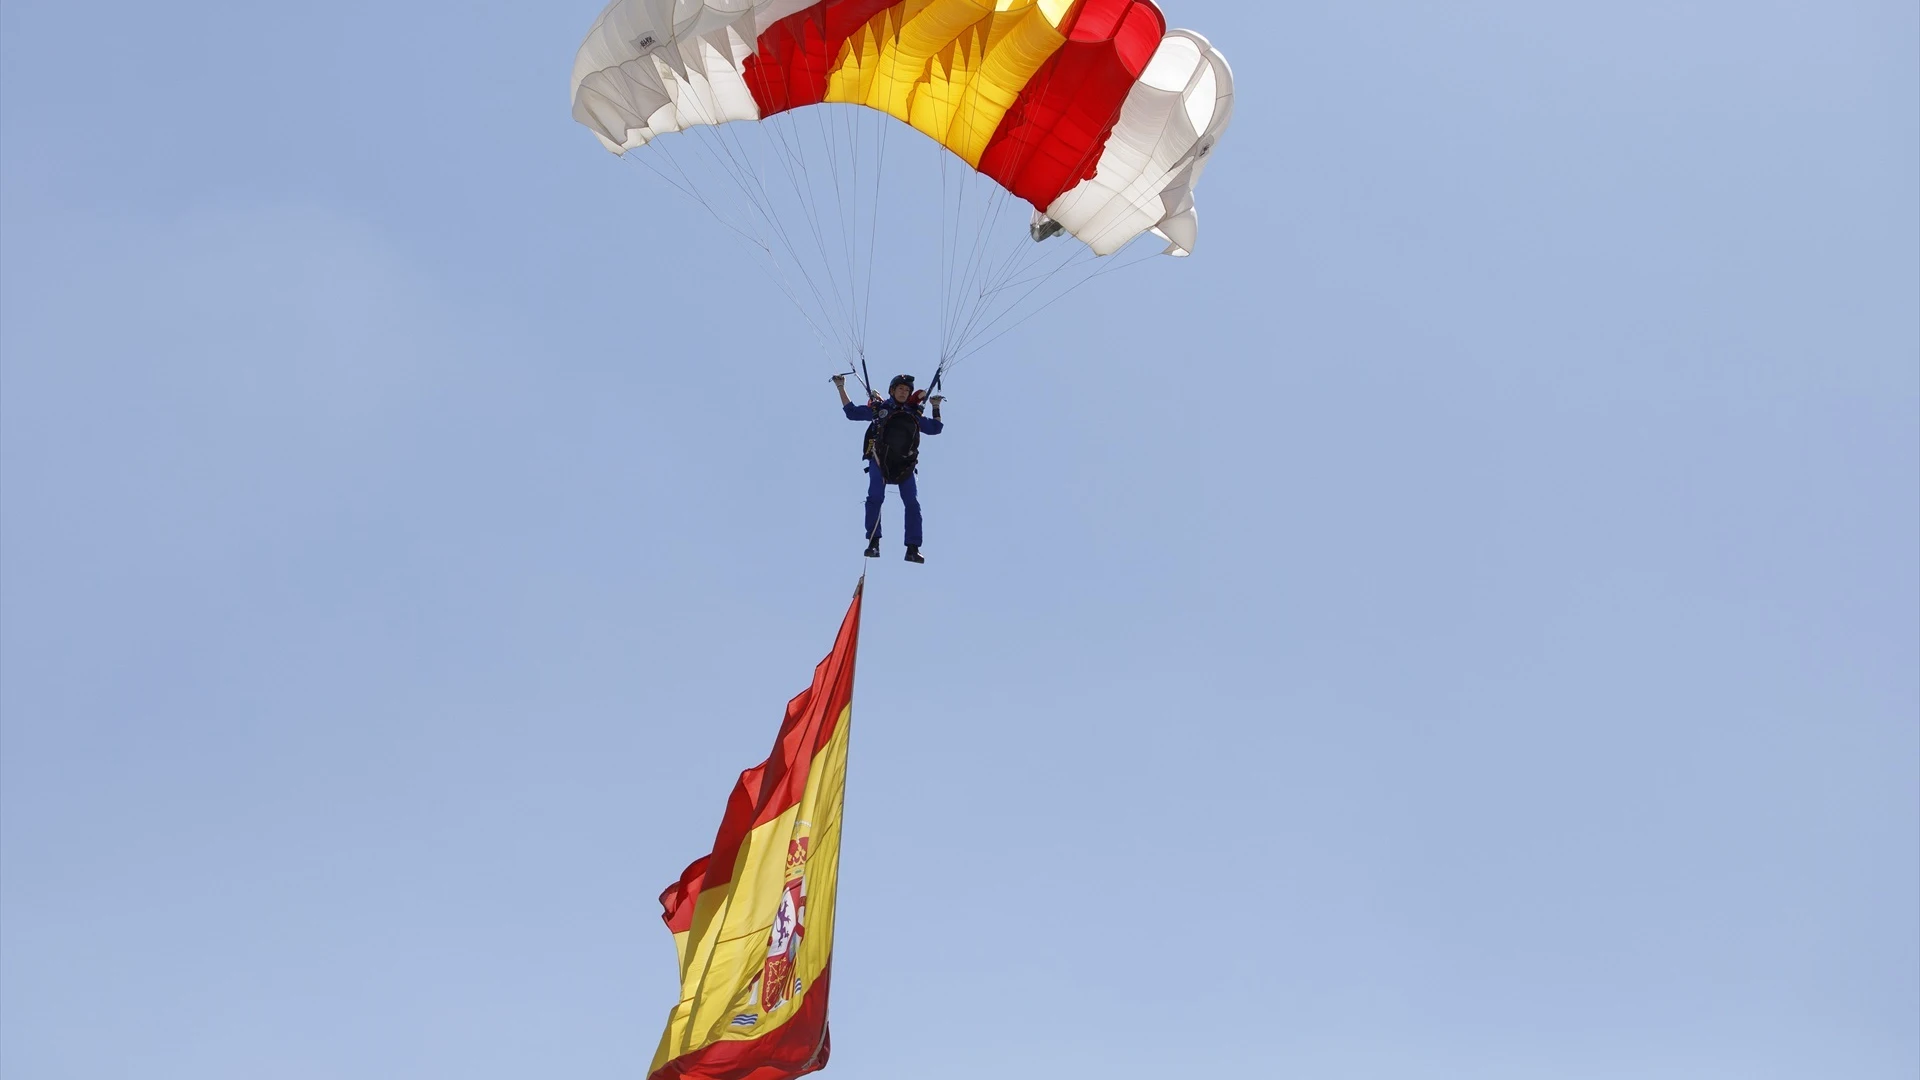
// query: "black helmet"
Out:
[900,380]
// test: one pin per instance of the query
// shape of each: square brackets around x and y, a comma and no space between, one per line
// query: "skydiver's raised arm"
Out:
[854,412]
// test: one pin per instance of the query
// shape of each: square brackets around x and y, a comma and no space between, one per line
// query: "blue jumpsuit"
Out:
[877,483]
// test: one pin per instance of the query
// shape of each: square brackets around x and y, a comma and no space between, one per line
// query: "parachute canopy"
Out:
[1092,111]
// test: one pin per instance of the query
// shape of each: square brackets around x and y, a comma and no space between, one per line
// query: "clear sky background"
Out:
[1462,623]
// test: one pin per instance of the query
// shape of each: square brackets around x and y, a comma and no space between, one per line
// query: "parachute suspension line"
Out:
[843,192]
[993,281]
[1069,290]
[772,266]
[711,139]
[787,168]
[989,226]
[981,233]
[960,274]
[838,269]
[812,207]
[808,199]
[996,201]
[985,311]
[857,288]
[873,222]
[840,131]
[880,133]
[848,207]
[809,204]
[943,297]
[977,297]
[722,144]
[982,276]
[684,185]
[1034,269]
[953,197]
[951,313]
[842,187]
[829,138]
[842,313]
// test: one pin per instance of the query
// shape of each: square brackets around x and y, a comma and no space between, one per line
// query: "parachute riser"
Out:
[858,373]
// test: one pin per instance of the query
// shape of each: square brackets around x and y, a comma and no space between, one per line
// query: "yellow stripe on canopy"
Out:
[951,68]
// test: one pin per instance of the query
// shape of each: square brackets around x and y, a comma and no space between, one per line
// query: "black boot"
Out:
[873,548]
[913,555]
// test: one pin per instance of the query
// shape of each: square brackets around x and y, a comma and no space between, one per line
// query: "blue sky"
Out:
[1461,623]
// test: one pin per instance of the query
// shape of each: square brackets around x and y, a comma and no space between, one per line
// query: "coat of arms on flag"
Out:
[789,926]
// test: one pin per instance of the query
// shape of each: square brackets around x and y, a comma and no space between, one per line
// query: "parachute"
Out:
[1092,113]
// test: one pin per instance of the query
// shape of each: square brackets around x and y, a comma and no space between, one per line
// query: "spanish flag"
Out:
[753,921]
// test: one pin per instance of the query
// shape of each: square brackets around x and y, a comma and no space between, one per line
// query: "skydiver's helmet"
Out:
[916,397]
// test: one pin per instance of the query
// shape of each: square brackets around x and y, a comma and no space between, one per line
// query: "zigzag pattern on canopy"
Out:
[1090,110]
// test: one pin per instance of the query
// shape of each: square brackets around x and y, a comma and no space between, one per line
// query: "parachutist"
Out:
[891,449]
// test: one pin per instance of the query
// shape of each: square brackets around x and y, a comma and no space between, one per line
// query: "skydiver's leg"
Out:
[910,495]
[876,494]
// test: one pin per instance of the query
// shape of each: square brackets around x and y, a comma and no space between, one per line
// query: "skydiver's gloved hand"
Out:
[935,401]
[840,384]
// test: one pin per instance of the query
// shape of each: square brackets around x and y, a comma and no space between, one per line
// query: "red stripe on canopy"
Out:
[1053,136]
[795,55]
